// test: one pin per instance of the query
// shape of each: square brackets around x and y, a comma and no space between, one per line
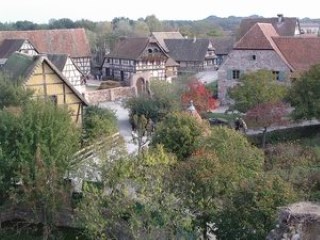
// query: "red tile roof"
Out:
[300,52]
[129,48]
[259,37]
[286,27]
[65,41]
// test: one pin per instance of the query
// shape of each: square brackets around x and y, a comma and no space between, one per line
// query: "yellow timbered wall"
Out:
[48,84]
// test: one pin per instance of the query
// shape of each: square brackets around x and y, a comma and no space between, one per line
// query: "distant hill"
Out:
[227,24]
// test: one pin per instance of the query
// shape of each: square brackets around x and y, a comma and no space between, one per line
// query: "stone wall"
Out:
[111,94]
[298,221]
[243,60]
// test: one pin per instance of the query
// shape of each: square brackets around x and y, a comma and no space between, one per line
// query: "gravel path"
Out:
[123,123]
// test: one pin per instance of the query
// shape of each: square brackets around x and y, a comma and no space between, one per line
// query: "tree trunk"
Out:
[264,135]
[45,232]
[204,228]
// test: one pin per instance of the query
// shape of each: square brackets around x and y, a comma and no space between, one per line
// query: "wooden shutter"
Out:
[282,76]
[229,74]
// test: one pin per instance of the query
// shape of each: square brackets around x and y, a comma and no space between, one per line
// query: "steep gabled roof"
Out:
[129,48]
[20,67]
[300,52]
[187,50]
[59,60]
[171,62]
[9,46]
[285,27]
[223,45]
[161,36]
[259,37]
[68,41]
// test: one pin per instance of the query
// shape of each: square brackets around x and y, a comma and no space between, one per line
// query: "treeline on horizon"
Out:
[104,34]
[208,27]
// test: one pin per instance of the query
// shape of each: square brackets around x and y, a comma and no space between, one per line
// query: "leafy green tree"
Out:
[12,92]
[291,161]
[61,23]
[153,23]
[141,29]
[164,99]
[256,88]
[247,159]
[224,160]
[304,95]
[37,145]
[179,133]
[136,202]
[26,25]
[251,210]
[196,183]
[98,123]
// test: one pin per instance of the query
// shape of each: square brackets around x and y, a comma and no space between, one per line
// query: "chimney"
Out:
[280,17]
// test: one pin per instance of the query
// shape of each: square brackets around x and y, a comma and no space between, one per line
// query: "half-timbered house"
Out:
[9,46]
[136,61]
[73,42]
[40,75]
[161,36]
[69,69]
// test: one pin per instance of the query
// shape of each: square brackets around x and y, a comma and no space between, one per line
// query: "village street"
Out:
[124,126]
[122,115]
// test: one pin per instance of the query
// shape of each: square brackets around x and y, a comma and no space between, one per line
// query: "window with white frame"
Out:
[125,62]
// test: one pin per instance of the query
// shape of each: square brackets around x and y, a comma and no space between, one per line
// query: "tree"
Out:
[26,25]
[202,98]
[164,99]
[98,123]
[266,115]
[141,29]
[304,95]
[136,201]
[247,159]
[179,133]
[289,160]
[153,23]
[12,93]
[224,160]
[61,23]
[251,210]
[256,88]
[167,95]
[37,145]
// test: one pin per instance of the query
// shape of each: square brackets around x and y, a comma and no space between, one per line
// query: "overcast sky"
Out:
[40,11]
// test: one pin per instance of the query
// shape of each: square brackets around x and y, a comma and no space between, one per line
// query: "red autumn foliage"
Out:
[201,97]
